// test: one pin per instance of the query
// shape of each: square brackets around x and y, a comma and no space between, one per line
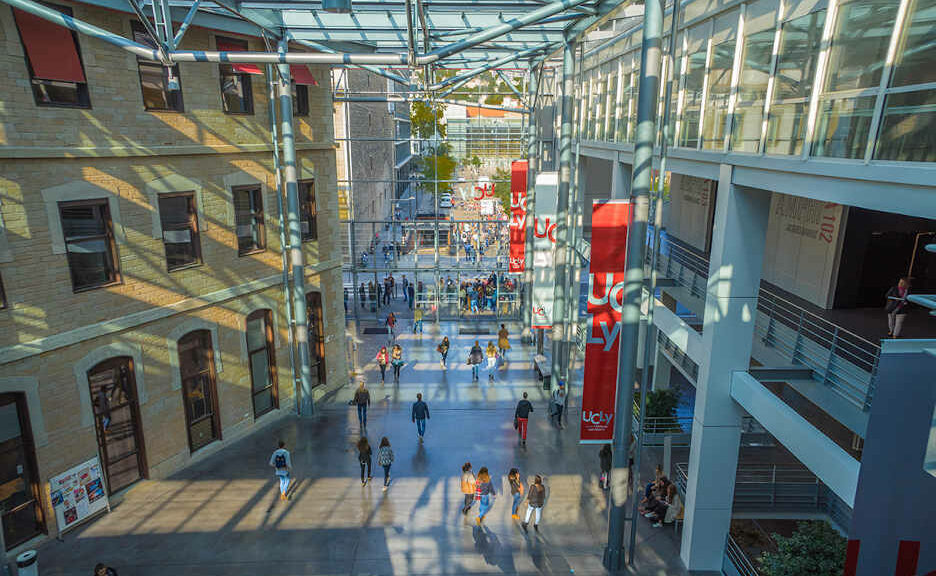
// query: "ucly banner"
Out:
[544,244]
[605,297]
[518,192]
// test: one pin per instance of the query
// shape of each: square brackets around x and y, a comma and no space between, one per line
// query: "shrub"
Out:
[814,549]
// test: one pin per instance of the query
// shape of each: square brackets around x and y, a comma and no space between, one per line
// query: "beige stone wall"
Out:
[119,151]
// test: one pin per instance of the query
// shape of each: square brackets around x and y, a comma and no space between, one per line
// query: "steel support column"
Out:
[291,184]
[630,314]
[526,303]
[559,368]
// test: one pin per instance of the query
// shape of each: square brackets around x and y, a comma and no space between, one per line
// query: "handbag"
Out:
[516,424]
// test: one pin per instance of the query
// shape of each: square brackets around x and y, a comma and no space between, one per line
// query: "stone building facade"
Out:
[110,340]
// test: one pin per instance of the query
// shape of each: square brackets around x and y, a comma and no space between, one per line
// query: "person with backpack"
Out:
[364,458]
[503,342]
[475,357]
[443,350]
[385,459]
[362,401]
[491,353]
[522,418]
[420,414]
[391,324]
[396,359]
[282,463]
[383,358]
[516,491]
[468,486]
[536,498]
[558,401]
[604,456]
[484,494]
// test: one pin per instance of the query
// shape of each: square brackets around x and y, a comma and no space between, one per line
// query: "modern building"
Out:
[143,317]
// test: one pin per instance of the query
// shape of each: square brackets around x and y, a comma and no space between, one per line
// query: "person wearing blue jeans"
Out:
[282,464]
[516,490]
[484,494]
[362,400]
[420,414]
[475,358]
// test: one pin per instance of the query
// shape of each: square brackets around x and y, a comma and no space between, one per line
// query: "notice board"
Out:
[78,494]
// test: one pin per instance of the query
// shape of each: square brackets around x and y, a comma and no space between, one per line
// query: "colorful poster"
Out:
[518,193]
[610,219]
[544,245]
[78,494]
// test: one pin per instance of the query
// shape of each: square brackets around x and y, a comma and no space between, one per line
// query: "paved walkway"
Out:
[222,516]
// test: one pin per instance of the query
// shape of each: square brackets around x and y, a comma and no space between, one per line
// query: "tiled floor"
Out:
[222,516]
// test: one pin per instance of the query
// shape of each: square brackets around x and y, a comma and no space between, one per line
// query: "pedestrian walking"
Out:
[503,342]
[385,459]
[475,357]
[364,458]
[420,414]
[391,324]
[104,570]
[383,358]
[468,485]
[405,286]
[522,417]
[896,307]
[484,494]
[491,353]
[558,401]
[392,283]
[443,350]
[396,359]
[418,320]
[362,401]
[536,498]
[516,491]
[604,457]
[362,293]
[282,463]
[412,295]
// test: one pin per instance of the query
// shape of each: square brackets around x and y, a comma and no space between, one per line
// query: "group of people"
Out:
[476,356]
[660,502]
[480,489]
[393,358]
[383,292]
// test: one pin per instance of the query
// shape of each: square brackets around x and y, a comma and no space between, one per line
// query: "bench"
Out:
[542,364]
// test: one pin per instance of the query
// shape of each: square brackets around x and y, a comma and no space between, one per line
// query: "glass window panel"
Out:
[859,44]
[259,370]
[632,105]
[263,402]
[755,66]
[179,224]
[843,127]
[248,219]
[746,127]
[719,88]
[612,103]
[908,128]
[800,41]
[918,52]
[692,100]
[256,334]
[82,221]
[786,128]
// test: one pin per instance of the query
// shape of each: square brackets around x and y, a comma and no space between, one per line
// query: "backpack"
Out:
[280,461]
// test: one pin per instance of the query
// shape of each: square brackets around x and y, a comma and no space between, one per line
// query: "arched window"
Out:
[199,391]
[262,357]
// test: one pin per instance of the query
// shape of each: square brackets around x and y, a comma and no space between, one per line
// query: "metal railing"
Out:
[679,357]
[739,560]
[839,358]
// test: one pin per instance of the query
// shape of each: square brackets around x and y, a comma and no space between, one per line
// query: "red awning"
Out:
[51,48]
[242,68]
[301,75]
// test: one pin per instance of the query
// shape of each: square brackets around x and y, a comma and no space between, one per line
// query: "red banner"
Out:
[605,298]
[518,191]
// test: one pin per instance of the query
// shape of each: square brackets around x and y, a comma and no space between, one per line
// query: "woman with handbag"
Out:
[364,458]
[536,499]
[475,357]
[503,342]
[385,459]
[468,486]
[443,350]
[484,494]
[491,353]
[396,358]
[382,358]
[516,490]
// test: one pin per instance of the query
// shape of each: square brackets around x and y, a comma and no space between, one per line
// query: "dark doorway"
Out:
[262,358]
[117,421]
[19,480]
[199,392]
[316,337]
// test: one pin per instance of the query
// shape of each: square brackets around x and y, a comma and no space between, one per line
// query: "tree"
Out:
[426,118]
[502,189]
[814,549]
[446,169]
[494,99]
[662,404]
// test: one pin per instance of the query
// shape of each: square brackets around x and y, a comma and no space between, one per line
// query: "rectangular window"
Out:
[161,85]
[89,243]
[719,88]
[692,101]
[859,44]
[843,127]
[632,110]
[248,220]
[199,389]
[308,213]
[180,229]
[908,128]
[917,51]
[300,99]
[53,59]
[612,101]
[752,91]
[262,358]
[236,89]
[798,55]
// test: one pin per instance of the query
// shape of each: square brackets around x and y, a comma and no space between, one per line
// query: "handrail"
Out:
[739,559]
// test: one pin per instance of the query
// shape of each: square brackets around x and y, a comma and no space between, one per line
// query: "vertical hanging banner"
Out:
[518,193]
[607,271]
[544,245]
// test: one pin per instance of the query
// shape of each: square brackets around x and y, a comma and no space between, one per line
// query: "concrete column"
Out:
[727,335]
[296,260]
[620,180]
[662,370]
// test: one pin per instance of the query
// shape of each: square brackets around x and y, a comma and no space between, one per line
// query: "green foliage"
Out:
[662,404]
[502,189]
[446,169]
[814,549]
[426,118]
[475,162]
[494,99]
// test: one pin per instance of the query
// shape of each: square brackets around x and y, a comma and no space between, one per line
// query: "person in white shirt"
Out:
[282,464]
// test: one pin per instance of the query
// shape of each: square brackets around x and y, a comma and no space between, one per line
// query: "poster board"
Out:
[78,494]
[518,193]
[544,244]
